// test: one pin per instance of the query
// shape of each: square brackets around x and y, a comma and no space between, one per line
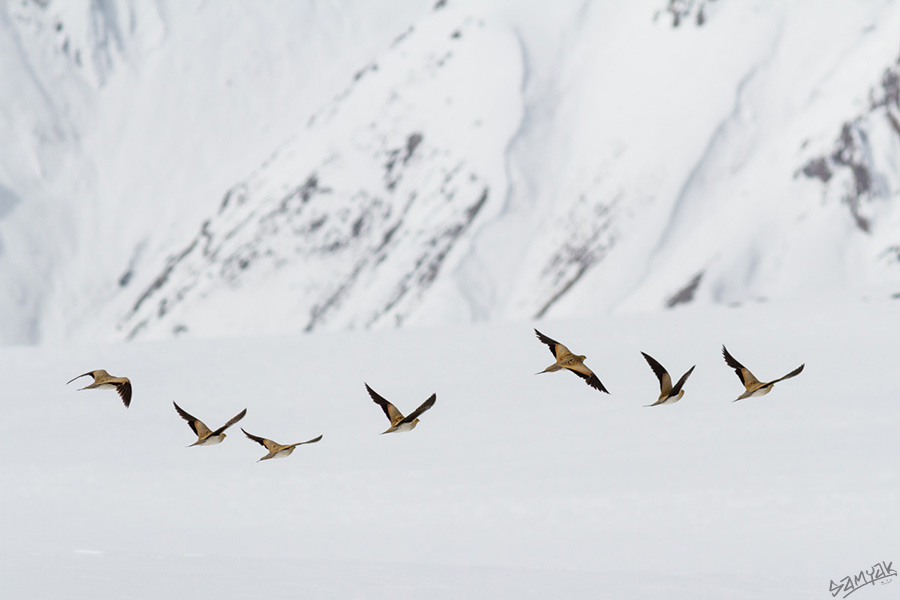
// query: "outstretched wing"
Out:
[123,388]
[231,422]
[556,349]
[665,381]
[196,425]
[91,373]
[793,373]
[681,381]
[265,443]
[393,415]
[589,377]
[744,374]
[422,408]
[312,441]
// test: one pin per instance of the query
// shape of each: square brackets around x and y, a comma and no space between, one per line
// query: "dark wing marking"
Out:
[592,380]
[793,373]
[552,344]
[422,408]
[91,373]
[658,369]
[191,419]
[681,381]
[255,438]
[124,391]
[231,422]
[734,364]
[390,411]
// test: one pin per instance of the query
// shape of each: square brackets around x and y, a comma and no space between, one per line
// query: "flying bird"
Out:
[103,380]
[573,362]
[275,449]
[751,383]
[205,437]
[398,421]
[667,393]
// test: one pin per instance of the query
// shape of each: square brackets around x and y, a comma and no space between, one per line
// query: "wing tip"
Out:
[595,383]
[375,396]
[91,373]
[124,391]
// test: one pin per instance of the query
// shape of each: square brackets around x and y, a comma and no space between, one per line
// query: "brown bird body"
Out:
[753,386]
[565,359]
[668,394]
[398,421]
[275,449]
[206,437]
[103,380]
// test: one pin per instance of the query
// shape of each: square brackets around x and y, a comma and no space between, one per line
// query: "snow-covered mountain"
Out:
[226,168]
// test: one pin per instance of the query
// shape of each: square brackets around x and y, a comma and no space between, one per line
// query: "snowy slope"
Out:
[209,169]
[691,163]
[345,252]
[513,485]
[125,122]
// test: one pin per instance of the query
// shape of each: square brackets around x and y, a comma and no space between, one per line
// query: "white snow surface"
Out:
[514,485]
[224,168]
[314,195]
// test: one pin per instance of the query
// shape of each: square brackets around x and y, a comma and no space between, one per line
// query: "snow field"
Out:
[513,485]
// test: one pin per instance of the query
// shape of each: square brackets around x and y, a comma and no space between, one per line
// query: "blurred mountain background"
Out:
[229,168]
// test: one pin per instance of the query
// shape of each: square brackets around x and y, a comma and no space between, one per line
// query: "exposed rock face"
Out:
[470,161]
[854,171]
[347,253]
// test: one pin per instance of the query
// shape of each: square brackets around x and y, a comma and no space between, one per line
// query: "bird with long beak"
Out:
[206,437]
[668,394]
[103,380]
[275,449]
[754,387]
[571,362]
[398,421]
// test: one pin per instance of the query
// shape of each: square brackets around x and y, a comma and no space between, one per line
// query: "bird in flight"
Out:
[754,387]
[573,362]
[205,437]
[398,421]
[275,449]
[668,394]
[103,380]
